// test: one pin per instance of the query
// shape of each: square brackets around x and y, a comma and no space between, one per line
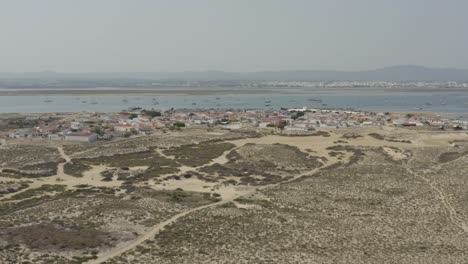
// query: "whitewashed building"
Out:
[233,126]
[81,137]
[75,125]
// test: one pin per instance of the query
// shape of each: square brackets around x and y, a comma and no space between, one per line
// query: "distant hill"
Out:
[395,73]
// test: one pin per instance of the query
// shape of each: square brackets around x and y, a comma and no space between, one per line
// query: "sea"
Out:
[450,104]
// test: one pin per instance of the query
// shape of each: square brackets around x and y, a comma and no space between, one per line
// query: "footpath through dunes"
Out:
[148,235]
[246,192]
[227,192]
[91,177]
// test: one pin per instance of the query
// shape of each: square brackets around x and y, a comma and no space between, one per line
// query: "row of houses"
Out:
[89,127]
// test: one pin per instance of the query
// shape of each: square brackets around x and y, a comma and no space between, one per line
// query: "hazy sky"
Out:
[230,35]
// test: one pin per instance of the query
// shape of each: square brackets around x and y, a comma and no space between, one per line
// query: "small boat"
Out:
[314,100]
[217,98]
[84,102]
[267,101]
[125,100]
[267,104]
[94,103]
[417,108]
[194,103]
[324,104]
[47,100]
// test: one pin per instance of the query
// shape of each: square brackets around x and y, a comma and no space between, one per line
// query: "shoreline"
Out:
[184,91]
[448,115]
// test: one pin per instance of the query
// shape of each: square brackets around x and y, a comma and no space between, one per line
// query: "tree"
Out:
[179,124]
[98,130]
[152,112]
[296,115]
[132,116]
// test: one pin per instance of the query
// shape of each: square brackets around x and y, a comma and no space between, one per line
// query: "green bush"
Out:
[179,124]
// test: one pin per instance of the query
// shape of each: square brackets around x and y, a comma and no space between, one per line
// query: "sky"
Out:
[230,35]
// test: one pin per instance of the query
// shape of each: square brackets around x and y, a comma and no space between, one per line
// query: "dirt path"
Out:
[226,199]
[159,227]
[63,154]
[90,177]
[452,214]
[150,234]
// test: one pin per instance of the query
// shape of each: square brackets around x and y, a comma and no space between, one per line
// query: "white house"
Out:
[81,137]
[122,127]
[75,125]
[233,126]
[303,109]
[296,128]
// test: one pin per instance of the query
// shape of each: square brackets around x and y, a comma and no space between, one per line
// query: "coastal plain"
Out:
[350,195]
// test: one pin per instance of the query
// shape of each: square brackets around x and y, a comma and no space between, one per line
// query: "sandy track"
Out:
[91,177]
[149,234]
[452,214]
[159,227]
[63,154]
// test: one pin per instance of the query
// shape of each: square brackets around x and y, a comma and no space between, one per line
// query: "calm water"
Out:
[452,103]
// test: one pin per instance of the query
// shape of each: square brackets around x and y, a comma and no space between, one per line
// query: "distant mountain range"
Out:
[395,73]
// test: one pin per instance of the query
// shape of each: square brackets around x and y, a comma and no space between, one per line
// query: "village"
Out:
[93,126]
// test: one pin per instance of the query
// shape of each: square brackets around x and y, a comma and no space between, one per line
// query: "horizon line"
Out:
[242,72]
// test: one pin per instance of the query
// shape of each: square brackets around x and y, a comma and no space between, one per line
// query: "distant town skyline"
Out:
[232,36]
